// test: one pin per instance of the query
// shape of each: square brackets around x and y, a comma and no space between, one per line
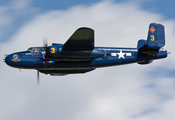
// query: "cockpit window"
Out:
[40,49]
[36,49]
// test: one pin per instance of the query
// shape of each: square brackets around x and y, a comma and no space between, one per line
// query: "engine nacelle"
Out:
[145,62]
[56,53]
[53,51]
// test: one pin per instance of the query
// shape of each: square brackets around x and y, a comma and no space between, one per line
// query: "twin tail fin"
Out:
[156,37]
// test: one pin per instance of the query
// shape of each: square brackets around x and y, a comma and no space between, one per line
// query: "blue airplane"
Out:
[78,54]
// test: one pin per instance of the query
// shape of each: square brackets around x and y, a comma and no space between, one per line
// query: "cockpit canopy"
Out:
[35,49]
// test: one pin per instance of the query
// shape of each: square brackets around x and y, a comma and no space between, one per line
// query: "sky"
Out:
[127,92]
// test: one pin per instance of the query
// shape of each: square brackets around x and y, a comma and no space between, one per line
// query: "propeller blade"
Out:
[38,76]
[45,42]
[45,55]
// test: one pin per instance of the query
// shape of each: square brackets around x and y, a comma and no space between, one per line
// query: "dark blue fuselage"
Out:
[79,55]
[80,62]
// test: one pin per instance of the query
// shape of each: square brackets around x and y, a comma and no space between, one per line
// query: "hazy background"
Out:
[128,92]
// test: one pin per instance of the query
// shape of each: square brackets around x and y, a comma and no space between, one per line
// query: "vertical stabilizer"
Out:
[156,36]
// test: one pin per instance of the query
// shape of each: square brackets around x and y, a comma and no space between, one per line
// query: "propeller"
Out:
[44,57]
[45,42]
[45,53]
[38,76]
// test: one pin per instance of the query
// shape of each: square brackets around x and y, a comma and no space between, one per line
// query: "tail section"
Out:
[150,49]
[156,36]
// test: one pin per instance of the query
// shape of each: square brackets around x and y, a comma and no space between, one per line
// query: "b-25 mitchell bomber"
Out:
[78,54]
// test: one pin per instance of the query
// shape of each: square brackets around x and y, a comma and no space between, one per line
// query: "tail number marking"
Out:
[152,38]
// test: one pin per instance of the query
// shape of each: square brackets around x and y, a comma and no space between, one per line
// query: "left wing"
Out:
[82,39]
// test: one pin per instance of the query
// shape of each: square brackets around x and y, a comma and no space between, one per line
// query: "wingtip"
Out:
[82,28]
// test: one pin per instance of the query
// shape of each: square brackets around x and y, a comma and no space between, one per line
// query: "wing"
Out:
[82,39]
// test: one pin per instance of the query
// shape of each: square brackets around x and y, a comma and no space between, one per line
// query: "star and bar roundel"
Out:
[121,54]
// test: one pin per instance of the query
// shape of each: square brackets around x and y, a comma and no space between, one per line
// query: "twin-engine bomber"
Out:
[78,54]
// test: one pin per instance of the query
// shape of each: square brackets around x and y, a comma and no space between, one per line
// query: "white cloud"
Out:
[13,15]
[20,4]
[121,92]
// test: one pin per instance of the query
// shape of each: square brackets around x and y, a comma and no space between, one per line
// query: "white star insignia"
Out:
[121,55]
